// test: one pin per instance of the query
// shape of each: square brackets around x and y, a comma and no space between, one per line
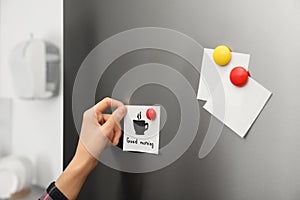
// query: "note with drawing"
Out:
[141,129]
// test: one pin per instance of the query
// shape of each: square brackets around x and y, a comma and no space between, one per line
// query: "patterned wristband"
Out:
[55,193]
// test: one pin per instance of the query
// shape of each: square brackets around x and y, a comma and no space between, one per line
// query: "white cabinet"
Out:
[5,126]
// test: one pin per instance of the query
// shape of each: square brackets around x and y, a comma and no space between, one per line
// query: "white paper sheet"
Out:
[242,106]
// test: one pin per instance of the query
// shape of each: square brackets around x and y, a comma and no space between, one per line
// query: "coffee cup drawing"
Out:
[140,126]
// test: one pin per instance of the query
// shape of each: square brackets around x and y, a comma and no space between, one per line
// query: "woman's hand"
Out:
[97,132]
[101,130]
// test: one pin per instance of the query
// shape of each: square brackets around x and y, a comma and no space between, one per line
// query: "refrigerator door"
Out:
[264,165]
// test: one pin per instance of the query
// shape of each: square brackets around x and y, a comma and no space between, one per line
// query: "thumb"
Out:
[115,118]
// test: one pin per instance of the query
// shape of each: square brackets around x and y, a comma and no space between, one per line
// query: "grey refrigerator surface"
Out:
[264,165]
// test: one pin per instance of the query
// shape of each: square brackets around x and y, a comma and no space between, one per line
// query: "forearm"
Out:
[98,131]
[74,176]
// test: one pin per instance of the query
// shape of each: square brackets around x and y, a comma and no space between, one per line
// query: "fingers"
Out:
[110,123]
[105,117]
[115,134]
[114,119]
[102,118]
[107,103]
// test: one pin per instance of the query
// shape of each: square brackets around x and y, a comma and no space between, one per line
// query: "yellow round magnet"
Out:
[222,55]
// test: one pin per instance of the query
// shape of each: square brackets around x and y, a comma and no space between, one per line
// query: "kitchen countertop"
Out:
[35,193]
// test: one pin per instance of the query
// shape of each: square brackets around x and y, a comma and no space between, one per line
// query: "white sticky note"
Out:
[237,59]
[140,133]
[242,105]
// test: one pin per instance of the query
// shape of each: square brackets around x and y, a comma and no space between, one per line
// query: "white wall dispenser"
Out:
[35,69]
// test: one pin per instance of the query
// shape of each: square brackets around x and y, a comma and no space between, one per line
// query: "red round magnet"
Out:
[239,76]
[151,114]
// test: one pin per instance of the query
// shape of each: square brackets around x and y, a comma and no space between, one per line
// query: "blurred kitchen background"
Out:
[31,127]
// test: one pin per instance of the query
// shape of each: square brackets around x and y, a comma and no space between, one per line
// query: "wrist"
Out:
[72,179]
[83,159]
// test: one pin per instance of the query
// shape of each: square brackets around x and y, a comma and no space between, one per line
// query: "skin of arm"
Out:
[74,176]
[72,179]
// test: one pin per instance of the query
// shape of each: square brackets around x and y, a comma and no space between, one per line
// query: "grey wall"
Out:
[263,166]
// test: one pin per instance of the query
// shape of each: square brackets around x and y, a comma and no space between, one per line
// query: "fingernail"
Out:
[123,110]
